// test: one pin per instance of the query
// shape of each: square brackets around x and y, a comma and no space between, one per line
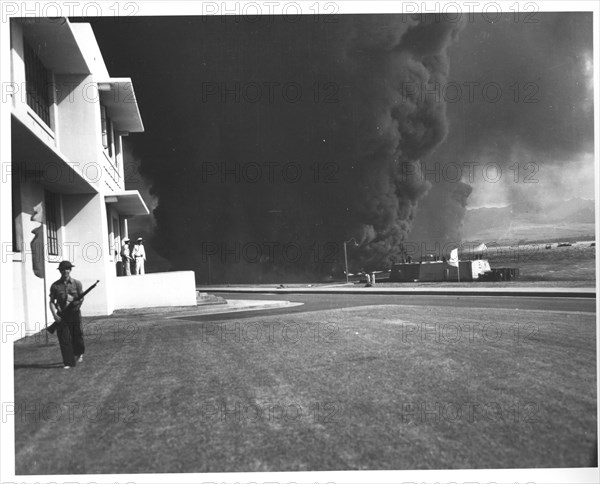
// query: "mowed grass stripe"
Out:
[353,390]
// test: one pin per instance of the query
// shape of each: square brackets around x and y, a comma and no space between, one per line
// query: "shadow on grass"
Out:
[38,365]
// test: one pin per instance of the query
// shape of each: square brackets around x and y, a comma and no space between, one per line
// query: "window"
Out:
[52,205]
[118,147]
[37,85]
[111,238]
[107,130]
[110,138]
[116,236]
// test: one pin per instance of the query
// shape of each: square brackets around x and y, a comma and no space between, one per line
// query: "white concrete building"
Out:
[68,118]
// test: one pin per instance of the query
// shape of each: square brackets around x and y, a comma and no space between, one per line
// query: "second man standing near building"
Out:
[139,256]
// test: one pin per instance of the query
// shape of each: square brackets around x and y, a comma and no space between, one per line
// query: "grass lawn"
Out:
[380,387]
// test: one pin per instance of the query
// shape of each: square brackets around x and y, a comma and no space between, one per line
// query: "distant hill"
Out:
[576,210]
[563,219]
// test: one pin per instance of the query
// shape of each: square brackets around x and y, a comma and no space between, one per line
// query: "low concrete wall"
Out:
[155,290]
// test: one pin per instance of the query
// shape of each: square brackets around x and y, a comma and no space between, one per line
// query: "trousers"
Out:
[70,339]
[126,267]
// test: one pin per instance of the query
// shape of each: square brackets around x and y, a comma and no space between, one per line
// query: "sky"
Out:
[269,142]
[535,139]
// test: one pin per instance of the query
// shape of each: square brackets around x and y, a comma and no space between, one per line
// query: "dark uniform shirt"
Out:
[58,295]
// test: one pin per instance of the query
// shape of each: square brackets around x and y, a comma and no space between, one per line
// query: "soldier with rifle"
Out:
[66,297]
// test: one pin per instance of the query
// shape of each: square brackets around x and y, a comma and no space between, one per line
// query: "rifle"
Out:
[52,328]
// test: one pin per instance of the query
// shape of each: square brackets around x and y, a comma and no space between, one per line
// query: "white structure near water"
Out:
[69,201]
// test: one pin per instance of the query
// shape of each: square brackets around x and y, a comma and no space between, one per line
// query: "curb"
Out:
[249,305]
[503,292]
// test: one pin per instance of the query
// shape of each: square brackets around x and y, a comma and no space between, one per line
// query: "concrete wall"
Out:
[434,271]
[87,233]
[466,272]
[155,290]
[78,125]
[84,34]
[17,70]
[405,272]
[29,289]
[79,129]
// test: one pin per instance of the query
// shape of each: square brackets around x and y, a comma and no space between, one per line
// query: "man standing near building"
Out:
[65,304]
[139,255]
[126,257]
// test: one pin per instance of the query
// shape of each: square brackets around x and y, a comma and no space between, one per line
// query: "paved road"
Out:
[316,302]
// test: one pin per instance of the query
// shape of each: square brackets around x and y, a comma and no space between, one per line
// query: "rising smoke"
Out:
[351,136]
[359,154]
[350,140]
[539,131]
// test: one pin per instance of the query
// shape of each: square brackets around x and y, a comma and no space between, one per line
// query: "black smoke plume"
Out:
[350,143]
[538,131]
